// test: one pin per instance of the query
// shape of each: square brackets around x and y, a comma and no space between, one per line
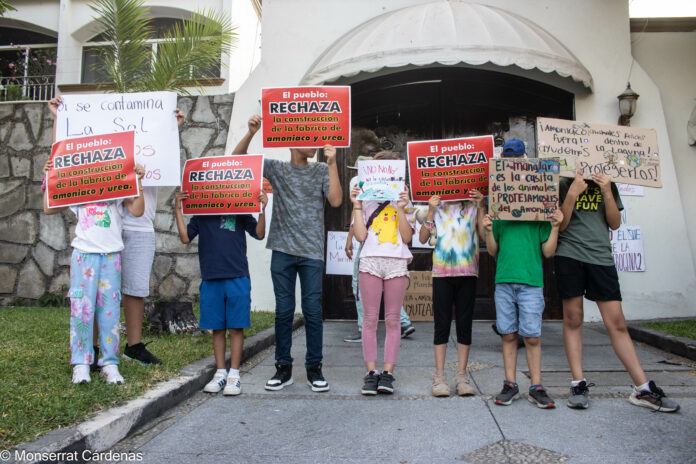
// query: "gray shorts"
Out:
[136,262]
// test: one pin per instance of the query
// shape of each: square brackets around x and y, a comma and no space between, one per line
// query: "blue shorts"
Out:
[225,304]
[518,308]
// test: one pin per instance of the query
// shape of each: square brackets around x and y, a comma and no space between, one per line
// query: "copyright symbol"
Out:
[5,455]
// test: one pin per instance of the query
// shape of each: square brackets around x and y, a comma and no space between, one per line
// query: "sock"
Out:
[575,383]
[532,387]
[234,372]
[645,387]
[513,383]
[374,372]
[221,371]
[386,372]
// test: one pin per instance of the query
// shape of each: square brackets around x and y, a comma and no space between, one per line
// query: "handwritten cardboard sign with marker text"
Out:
[381,180]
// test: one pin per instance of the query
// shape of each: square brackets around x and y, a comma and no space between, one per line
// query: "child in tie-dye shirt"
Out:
[455,270]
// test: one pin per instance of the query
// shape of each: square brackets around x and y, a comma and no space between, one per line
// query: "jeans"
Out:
[284,271]
[518,308]
[404,320]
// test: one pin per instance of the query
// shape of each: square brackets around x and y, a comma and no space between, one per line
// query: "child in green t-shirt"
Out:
[519,290]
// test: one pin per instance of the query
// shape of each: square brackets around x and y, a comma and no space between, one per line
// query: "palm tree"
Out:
[190,51]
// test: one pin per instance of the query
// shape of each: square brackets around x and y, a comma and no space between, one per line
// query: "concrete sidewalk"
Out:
[297,425]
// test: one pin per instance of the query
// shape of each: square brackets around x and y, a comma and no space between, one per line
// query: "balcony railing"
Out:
[36,88]
[27,72]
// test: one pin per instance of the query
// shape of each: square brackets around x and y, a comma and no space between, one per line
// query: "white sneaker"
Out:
[215,385]
[233,387]
[80,373]
[112,375]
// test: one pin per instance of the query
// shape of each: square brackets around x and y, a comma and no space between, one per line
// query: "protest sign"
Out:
[306,117]
[627,248]
[337,262]
[626,154]
[149,114]
[223,184]
[418,301]
[523,189]
[449,168]
[89,169]
[381,180]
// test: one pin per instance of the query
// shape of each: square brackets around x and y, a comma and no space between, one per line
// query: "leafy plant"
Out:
[54,300]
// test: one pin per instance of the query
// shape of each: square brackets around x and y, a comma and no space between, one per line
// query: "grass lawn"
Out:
[679,328]
[35,374]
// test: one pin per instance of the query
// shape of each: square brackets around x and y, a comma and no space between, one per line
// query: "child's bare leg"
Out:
[133,310]
[614,321]
[236,347]
[510,356]
[533,347]
[572,335]
[219,348]
[462,356]
[440,353]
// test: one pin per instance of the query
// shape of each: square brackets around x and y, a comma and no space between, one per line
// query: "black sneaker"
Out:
[509,393]
[385,383]
[357,338]
[407,330]
[281,378]
[578,396]
[540,398]
[370,384]
[94,367]
[654,399]
[315,379]
[139,353]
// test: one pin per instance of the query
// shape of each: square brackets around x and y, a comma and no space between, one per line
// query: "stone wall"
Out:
[35,248]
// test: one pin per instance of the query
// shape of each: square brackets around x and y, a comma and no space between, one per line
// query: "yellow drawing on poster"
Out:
[385,226]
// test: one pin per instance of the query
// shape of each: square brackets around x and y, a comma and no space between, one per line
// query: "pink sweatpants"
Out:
[371,295]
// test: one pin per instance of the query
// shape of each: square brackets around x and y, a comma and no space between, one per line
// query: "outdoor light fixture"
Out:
[627,105]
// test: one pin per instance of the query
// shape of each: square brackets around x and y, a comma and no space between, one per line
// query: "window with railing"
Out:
[27,65]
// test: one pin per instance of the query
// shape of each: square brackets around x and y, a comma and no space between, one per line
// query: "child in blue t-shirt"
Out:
[225,289]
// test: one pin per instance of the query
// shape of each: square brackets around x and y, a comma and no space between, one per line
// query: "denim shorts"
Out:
[225,304]
[518,308]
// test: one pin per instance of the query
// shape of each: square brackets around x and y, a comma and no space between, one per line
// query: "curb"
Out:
[681,346]
[107,428]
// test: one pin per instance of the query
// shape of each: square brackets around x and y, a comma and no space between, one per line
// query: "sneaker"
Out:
[139,353]
[315,379]
[540,398]
[461,382]
[112,375]
[578,396]
[385,384]
[440,386]
[407,330]
[233,387]
[509,393]
[94,367]
[216,383]
[357,338]
[281,378]
[370,384]
[80,373]
[654,399]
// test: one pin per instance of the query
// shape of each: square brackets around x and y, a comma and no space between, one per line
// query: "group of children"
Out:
[577,233]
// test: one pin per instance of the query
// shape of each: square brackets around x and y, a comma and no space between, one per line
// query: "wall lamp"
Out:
[627,105]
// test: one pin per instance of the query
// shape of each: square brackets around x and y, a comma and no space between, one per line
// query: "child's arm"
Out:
[349,243]
[612,213]
[491,244]
[359,229]
[242,147]
[404,227]
[136,206]
[576,188]
[261,223]
[183,233]
[480,209]
[548,248]
[424,233]
[47,167]
[335,195]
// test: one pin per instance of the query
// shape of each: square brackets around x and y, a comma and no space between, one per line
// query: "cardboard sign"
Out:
[449,168]
[149,114]
[381,180]
[627,248]
[306,117]
[523,189]
[89,169]
[418,301]
[337,262]
[223,185]
[626,154]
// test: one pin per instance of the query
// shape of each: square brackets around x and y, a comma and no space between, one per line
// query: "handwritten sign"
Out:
[449,168]
[88,169]
[627,248]
[223,184]
[381,180]
[523,189]
[626,154]
[150,115]
[418,301]
[337,262]
[306,117]
[626,190]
